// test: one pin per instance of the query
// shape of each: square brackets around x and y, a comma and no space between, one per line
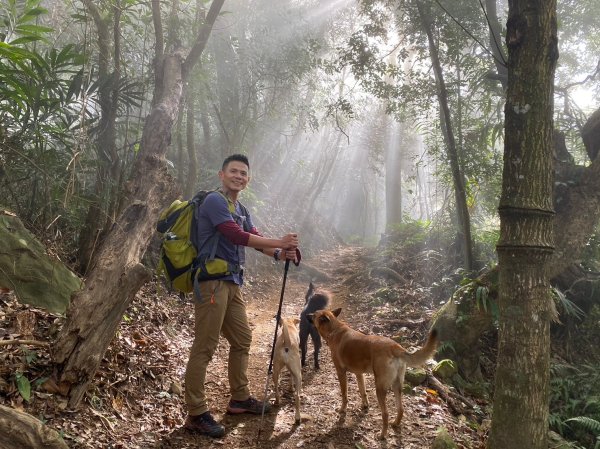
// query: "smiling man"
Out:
[224,229]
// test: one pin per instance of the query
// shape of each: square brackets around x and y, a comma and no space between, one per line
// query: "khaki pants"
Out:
[220,309]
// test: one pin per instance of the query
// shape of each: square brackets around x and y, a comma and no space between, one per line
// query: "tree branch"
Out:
[24,342]
[203,34]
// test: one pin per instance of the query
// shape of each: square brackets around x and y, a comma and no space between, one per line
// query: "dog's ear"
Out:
[337,312]
[310,317]
[311,290]
[324,318]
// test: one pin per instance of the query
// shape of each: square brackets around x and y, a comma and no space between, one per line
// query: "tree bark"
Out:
[520,409]
[95,312]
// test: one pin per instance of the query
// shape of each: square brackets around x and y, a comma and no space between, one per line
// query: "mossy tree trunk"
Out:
[520,410]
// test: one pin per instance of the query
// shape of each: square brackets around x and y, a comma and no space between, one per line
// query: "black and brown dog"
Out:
[315,300]
[359,353]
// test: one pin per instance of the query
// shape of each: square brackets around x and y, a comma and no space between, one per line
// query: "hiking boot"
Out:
[205,424]
[250,405]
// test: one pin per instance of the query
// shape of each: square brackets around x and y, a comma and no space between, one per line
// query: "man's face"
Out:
[234,176]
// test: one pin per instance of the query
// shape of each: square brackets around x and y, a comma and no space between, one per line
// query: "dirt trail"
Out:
[321,427]
[136,400]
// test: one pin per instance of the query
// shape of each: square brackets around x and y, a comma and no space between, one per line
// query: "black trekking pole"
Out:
[262,416]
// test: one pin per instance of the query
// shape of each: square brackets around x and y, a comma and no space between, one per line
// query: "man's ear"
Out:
[337,312]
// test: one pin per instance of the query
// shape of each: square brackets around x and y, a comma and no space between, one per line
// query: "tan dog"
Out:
[287,353]
[359,353]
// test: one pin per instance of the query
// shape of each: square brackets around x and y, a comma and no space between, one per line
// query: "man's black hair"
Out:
[235,157]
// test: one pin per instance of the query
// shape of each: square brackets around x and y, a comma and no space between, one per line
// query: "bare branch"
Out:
[24,342]
[203,34]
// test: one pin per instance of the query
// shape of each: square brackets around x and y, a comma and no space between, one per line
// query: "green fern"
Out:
[587,423]
[446,346]
[575,403]
[566,306]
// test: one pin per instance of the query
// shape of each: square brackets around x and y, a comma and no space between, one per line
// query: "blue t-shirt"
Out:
[212,212]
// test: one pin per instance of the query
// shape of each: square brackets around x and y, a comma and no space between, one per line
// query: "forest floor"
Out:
[136,400]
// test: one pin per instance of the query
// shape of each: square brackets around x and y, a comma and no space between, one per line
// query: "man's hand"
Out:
[289,242]
[293,255]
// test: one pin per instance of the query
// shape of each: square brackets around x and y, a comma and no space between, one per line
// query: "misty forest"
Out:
[438,160]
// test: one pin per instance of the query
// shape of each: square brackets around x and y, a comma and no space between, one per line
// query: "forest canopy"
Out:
[465,132]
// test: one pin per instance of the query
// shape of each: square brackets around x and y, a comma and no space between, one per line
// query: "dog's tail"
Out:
[318,301]
[420,356]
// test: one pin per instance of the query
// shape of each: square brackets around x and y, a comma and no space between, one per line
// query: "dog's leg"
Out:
[303,343]
[360,380]
[317,344]
[297,377]
[276,369]
[397,389]
[381,394]
[343,379]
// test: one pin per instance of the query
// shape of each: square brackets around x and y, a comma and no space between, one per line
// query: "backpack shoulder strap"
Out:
[246,214]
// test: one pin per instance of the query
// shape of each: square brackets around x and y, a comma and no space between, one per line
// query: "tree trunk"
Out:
[117,274]
[192,176]
[520,413]
[228,91]
[393,172]
[496,42]
[180,149]
[100,212]
[577,188]
[464,221]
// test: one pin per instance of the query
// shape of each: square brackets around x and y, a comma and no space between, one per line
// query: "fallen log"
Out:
[19,430]
[457,402]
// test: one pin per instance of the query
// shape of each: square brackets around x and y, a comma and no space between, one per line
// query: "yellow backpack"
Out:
[179,261]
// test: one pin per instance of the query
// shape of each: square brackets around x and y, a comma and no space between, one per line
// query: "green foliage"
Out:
[591,253]
[16,21]
[446,347]
[485,302]
[42,114]
[565,306]
[589,424]
[23,386]
[485,238]
[575,403]
[29,355]
[409,233]
[474,289]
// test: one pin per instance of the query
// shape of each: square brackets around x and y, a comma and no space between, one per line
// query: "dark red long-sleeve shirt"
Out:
[236,235]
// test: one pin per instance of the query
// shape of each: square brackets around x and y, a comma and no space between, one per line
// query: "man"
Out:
[219,305]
